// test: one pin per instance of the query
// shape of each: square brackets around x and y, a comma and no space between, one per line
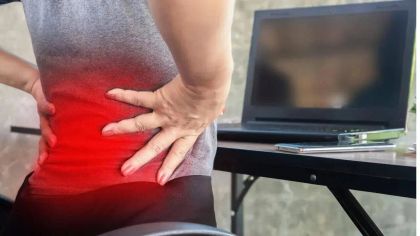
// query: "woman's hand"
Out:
[45,109]
[182,112]
[21,75]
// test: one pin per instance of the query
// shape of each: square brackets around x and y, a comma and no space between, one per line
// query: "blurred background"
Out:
[272,207]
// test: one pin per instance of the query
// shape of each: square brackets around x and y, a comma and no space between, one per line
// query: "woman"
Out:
[93,55]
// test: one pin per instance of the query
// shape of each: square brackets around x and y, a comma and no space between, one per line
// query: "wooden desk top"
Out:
[387,172]
[396,158]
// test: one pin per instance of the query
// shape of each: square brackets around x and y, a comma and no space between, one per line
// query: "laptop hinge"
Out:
[270,121]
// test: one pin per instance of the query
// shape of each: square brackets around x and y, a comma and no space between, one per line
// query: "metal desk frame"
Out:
[338,175]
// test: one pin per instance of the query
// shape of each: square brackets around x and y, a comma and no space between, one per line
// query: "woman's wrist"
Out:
[31,76]
[213,85]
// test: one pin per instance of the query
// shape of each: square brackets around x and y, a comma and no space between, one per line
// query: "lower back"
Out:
[83,159]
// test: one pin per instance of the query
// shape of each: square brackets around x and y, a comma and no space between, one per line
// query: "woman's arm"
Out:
[198,33]
[17,73]
[24,76]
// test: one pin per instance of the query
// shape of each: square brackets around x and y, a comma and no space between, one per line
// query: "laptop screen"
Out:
[330,61]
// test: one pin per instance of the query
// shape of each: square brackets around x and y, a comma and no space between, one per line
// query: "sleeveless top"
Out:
[83,49]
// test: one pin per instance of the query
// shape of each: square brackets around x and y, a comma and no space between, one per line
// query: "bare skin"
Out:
[198,33]
[24,76]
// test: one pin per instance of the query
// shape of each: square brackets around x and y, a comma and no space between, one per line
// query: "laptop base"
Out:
[237,132]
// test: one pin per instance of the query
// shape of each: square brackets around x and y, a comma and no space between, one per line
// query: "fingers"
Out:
[137,98]
[45,109]
[174,158]
[47,139]
[42,152]
[154,147]
[137,124]
[46,131]
[44,106]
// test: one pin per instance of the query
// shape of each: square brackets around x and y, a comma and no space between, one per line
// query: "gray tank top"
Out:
[83,49]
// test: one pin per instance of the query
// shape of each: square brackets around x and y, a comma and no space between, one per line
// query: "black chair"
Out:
[166,229]
[5,209]
[149,229]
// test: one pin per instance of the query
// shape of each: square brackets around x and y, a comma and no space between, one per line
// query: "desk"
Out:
[388,172]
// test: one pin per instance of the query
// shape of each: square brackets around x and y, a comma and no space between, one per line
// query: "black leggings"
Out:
[185,199]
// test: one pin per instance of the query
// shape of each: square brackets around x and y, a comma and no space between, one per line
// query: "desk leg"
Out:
[236,213]
[355,211]
[240,188]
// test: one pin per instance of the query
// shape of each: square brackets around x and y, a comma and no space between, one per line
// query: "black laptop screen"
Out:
[333,61]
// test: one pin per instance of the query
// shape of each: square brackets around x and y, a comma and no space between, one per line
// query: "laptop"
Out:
[316,72]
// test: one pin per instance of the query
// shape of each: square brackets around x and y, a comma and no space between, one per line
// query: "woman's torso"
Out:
[83,49]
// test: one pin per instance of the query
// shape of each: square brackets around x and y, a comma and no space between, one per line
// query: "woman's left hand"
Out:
[182,113]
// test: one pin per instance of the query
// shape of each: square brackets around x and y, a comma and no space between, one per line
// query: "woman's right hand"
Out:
[21,75]
[45,110]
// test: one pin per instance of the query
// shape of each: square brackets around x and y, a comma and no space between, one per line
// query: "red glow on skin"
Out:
[83,159]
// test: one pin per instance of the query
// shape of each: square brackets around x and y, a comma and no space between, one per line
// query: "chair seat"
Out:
[167,228]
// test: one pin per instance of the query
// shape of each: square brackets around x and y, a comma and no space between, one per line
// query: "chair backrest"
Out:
[166,229]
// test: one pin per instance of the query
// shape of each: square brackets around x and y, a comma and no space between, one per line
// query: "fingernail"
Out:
[127,169]
[124,169]
[159,176]
[163,179]
[110,94]
[108,130]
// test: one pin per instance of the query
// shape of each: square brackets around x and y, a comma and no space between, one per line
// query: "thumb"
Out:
[43,105]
